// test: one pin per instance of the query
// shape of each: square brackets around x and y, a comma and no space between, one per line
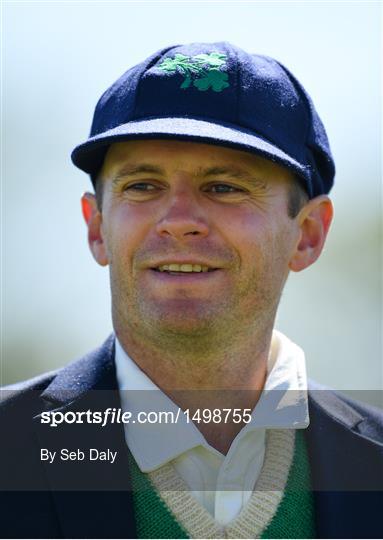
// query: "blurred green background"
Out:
[58,57]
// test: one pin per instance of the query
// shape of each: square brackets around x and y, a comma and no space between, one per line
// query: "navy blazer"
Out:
[75,500]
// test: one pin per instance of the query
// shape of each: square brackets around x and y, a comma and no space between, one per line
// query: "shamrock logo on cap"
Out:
[204,71]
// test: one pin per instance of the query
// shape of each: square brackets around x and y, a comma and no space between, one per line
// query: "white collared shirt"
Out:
[222,484]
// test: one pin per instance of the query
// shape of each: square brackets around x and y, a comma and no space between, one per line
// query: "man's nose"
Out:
[183,216]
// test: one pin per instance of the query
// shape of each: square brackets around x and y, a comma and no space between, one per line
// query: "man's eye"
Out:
[224,188]
[141,186]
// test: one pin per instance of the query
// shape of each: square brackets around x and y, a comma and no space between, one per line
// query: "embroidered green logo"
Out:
[202,71]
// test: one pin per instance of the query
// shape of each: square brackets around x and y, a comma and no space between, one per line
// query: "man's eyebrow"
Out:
[232,172]
[219,171]
[131,170]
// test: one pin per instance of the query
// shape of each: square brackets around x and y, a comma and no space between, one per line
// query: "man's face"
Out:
[219,212]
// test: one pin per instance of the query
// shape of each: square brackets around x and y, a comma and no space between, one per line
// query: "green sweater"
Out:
[294,516]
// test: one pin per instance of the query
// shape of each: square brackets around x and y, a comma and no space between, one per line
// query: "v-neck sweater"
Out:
[281,505]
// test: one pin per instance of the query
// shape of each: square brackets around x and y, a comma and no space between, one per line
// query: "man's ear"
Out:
[93,219]
[314,222]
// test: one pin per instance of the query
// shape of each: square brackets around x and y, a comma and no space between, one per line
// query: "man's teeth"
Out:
[183,268]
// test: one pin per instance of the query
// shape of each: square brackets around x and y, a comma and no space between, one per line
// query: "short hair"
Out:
[98,189]
[297,195]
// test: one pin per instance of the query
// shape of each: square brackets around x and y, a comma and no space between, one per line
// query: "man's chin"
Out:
[182,316]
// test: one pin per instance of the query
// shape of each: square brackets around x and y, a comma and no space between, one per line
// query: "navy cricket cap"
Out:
[214,93]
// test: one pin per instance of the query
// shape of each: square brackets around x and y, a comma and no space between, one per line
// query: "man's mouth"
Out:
[175,268]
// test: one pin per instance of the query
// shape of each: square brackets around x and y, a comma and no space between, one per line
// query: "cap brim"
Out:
[89,156]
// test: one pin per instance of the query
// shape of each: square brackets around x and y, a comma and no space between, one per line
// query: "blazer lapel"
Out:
[346,468]
[92,497]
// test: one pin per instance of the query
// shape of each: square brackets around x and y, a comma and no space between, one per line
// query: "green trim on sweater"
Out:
[294,517]
[153,517]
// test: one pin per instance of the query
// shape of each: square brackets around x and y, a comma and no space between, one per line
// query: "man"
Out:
[211,171]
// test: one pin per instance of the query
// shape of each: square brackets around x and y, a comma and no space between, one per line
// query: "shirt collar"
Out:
[283,404]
